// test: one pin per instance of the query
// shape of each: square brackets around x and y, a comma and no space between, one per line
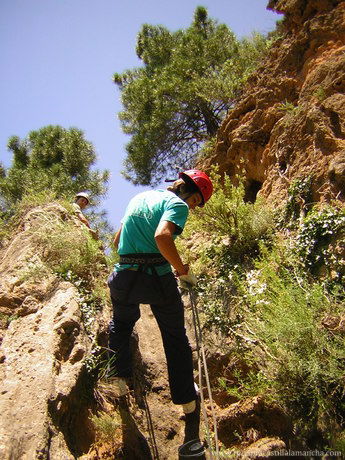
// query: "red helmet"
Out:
[201,180]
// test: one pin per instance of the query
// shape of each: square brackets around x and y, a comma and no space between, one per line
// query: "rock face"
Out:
[167,426]
[290,121]
[253,419]
[43,383]
[47,395]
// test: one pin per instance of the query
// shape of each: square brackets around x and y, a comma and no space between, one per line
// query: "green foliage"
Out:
[228,232]
[320,94]
[287,106]
[338,444]
[235,227]
[54,160]
[34,271]
[176,100]
[37,199]
[207,149]
[321,239]
[68,250]
[99,364]
[290,111]
[248,384]
[106,426]
[299,198]
[276,317]
[303,360]
[100,224]
[93,295]
[225,81]
[268,309]
[5,320]
[10,219]
[5,227]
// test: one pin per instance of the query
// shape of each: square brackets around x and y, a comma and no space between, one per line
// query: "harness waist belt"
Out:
[143,259]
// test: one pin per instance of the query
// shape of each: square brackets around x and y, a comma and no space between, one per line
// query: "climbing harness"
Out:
[202,366]
[141,263]
[143,259]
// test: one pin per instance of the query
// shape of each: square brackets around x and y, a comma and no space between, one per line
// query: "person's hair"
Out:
[183,189]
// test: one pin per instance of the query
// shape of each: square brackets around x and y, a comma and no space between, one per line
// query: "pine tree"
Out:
[177,99]
[51,158]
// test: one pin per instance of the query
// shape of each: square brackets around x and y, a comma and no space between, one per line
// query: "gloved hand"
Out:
[187,281]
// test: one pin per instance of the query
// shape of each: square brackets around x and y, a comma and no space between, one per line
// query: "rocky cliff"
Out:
[290,121]
[288,124]
[54,403]
[46,338]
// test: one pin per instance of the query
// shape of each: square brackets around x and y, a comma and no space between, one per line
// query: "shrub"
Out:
[292,113]
[299,198]
[234,227]
[227,235]
[320,94]
[67,247]
[320,241]
[303,360]
[271,310]
[106,426]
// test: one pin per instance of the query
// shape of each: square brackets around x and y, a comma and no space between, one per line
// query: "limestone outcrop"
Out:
[290,121]
[47,338]
[45,341]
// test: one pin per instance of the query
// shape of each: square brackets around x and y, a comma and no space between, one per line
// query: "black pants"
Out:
[128,289]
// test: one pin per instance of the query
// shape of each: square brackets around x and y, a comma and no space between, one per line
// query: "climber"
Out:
[147,250]
[81,201]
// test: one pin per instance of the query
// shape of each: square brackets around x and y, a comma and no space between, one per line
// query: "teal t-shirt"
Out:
[142,217]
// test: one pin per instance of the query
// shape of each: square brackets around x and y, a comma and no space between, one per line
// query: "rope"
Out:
[203,364]
[151,429]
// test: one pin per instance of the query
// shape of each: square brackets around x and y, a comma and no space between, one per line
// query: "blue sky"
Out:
[58,58]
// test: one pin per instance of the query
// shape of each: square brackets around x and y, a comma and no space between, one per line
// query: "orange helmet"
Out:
[202,182]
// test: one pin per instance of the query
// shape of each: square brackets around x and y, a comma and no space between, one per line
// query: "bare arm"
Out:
[83,219]
[117,238]
[166,245]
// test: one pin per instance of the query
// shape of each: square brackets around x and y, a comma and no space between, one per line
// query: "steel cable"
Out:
[203,364]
